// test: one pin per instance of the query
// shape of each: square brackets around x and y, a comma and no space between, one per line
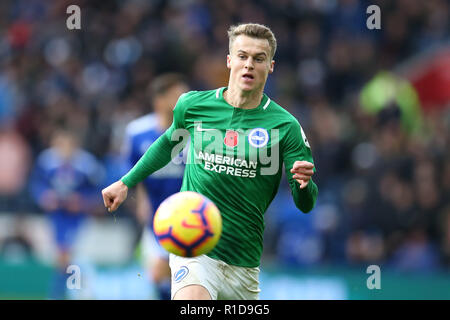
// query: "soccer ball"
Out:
[187,224]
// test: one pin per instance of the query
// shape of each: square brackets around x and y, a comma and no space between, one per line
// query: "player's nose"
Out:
[249,64]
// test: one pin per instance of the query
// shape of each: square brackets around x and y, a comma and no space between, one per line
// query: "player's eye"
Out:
[242,56]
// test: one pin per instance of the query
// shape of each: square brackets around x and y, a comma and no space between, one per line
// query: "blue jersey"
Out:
[81,174]
[140,134]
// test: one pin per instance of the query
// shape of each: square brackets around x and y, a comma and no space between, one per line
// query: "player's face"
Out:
[249,63]
[65,145]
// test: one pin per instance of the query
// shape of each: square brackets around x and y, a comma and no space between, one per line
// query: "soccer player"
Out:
[240,139]
[63,183]
[140,134]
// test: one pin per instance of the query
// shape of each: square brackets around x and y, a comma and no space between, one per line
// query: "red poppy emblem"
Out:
[231,138]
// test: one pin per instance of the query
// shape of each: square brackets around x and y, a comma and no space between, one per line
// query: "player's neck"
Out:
[241,99]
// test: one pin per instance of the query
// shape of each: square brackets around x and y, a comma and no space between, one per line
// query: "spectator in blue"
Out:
[164,92]
[64,184]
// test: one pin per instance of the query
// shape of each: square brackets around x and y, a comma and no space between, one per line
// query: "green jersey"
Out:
[235,159]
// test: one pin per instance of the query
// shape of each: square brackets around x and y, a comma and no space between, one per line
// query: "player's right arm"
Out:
[157,156]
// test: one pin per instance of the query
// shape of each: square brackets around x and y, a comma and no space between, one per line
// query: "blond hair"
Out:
[253,30]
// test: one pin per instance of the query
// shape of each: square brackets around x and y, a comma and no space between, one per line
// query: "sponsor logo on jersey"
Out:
[228,165]
[181,274]
[231,138]
[258,137]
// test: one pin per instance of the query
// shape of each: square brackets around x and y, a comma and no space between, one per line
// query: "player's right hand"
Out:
[114,195]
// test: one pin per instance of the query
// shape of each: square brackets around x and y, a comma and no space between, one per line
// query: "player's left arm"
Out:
[299,166]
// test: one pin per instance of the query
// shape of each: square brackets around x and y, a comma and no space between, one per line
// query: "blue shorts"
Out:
[65,228]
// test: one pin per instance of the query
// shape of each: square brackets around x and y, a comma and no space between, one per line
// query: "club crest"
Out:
[181,274]
[258,137]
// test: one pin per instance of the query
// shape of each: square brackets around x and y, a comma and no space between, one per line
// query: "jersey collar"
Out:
[265,101]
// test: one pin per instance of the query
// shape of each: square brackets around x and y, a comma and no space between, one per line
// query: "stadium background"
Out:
[373,103]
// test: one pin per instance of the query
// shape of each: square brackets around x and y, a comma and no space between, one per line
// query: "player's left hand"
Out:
[302,170]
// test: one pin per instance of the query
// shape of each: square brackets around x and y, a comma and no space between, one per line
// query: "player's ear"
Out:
[228,61]
[272,65]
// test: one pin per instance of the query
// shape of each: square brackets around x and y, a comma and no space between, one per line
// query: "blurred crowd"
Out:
[383,187]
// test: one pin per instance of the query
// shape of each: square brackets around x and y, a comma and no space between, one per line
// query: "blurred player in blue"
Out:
[164,92]
[64,183]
